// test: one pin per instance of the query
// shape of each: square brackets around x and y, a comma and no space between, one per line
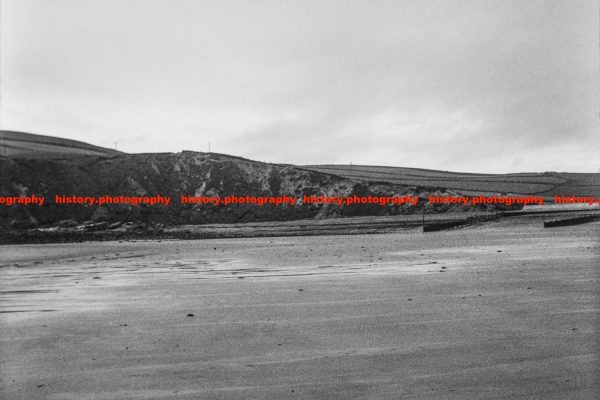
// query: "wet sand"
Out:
[507,310]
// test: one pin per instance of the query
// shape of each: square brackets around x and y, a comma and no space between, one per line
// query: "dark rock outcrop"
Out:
[186,173]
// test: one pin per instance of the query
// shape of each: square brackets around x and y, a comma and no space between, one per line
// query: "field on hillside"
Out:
[28,145]
[546,184]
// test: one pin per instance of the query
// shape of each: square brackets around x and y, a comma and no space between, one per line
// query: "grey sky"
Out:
[481,86]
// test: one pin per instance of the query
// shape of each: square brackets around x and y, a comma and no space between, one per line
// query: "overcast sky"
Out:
[479,86]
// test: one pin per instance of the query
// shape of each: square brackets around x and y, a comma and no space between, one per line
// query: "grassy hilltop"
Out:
[34,164]
[546,184]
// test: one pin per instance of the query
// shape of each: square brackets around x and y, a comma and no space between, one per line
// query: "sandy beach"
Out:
[507,310]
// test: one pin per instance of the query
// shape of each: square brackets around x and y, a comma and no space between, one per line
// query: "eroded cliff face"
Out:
[174,175]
